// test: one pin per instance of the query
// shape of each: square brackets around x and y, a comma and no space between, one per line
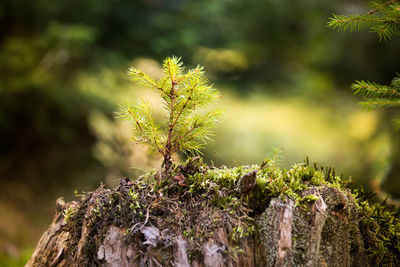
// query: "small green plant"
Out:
[69,213]
[185,95]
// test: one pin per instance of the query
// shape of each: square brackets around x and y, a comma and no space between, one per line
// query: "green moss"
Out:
[307,200]
[380,229]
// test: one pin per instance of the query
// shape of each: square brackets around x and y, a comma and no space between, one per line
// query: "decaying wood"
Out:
[287,235]
[316,222]
[275,227]
[247,183]
[317,237]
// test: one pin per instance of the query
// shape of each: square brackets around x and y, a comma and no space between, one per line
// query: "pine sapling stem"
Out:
[168,147]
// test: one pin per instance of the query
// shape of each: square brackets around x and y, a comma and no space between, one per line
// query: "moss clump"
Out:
[380,229]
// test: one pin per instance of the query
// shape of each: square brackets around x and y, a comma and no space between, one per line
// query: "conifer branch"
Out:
[384,5]
[380,103]
[385,24]
[384,20]
[141,77]
[374,90]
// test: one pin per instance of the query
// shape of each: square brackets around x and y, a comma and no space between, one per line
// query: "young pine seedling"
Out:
[187,124]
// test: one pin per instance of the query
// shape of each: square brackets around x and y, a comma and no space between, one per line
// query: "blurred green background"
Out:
[284,77]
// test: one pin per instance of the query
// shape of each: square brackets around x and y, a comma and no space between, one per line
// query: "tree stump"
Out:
[325,233]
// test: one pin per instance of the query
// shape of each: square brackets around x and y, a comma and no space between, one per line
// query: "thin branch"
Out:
[358,19]
[384,5]
[184,77]
[143,77]
[137,122]
[162,86]
[368,89]
[188,131]
[184,105]
[155,140]
[147,217]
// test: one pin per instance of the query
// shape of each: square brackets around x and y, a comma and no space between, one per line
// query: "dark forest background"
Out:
[284,76]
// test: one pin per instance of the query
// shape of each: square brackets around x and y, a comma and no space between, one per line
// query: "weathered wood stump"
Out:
[325,233]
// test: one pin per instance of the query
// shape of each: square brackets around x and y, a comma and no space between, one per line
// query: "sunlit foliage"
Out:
[183,95]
